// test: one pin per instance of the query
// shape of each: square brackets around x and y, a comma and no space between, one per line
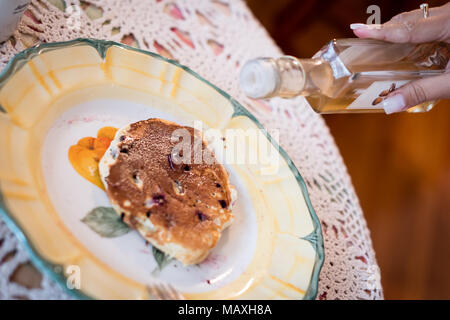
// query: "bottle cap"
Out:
[259,78]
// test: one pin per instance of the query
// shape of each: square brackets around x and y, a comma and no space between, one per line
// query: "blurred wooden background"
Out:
[399,164]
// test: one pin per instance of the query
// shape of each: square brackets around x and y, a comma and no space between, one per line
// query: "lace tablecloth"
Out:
[213,38]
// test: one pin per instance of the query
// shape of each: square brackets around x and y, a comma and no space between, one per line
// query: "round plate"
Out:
[54,95]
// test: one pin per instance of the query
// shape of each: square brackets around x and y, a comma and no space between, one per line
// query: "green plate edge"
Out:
[51,269]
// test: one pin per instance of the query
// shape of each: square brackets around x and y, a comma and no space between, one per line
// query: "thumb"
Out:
[417,92]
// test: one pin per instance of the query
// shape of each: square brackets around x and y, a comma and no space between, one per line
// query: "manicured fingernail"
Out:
[355,26]
[392,104]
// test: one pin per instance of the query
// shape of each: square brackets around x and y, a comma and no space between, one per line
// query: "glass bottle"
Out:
[346,75]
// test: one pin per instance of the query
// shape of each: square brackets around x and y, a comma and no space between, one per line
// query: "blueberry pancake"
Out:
[180,208]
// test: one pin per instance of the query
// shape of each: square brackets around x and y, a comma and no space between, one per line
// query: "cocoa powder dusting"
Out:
[147,149]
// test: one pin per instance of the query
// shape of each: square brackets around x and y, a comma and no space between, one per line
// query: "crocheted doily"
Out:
[213,38]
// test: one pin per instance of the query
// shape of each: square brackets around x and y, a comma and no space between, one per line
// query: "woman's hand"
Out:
[412,27]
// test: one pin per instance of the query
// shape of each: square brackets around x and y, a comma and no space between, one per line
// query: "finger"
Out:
[417,92]
[413,15]
[404,17]
[418,13]
[404,30]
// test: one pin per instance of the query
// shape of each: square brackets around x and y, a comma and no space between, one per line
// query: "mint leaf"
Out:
[161,258]
[105,222]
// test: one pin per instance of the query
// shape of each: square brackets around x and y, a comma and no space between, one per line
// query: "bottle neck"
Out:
[298,76]
[285,77]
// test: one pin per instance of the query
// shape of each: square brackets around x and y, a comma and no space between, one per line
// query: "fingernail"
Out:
[355,26]
[392,104]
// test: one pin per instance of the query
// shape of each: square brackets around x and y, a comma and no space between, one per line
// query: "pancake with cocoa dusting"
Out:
[180,208]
